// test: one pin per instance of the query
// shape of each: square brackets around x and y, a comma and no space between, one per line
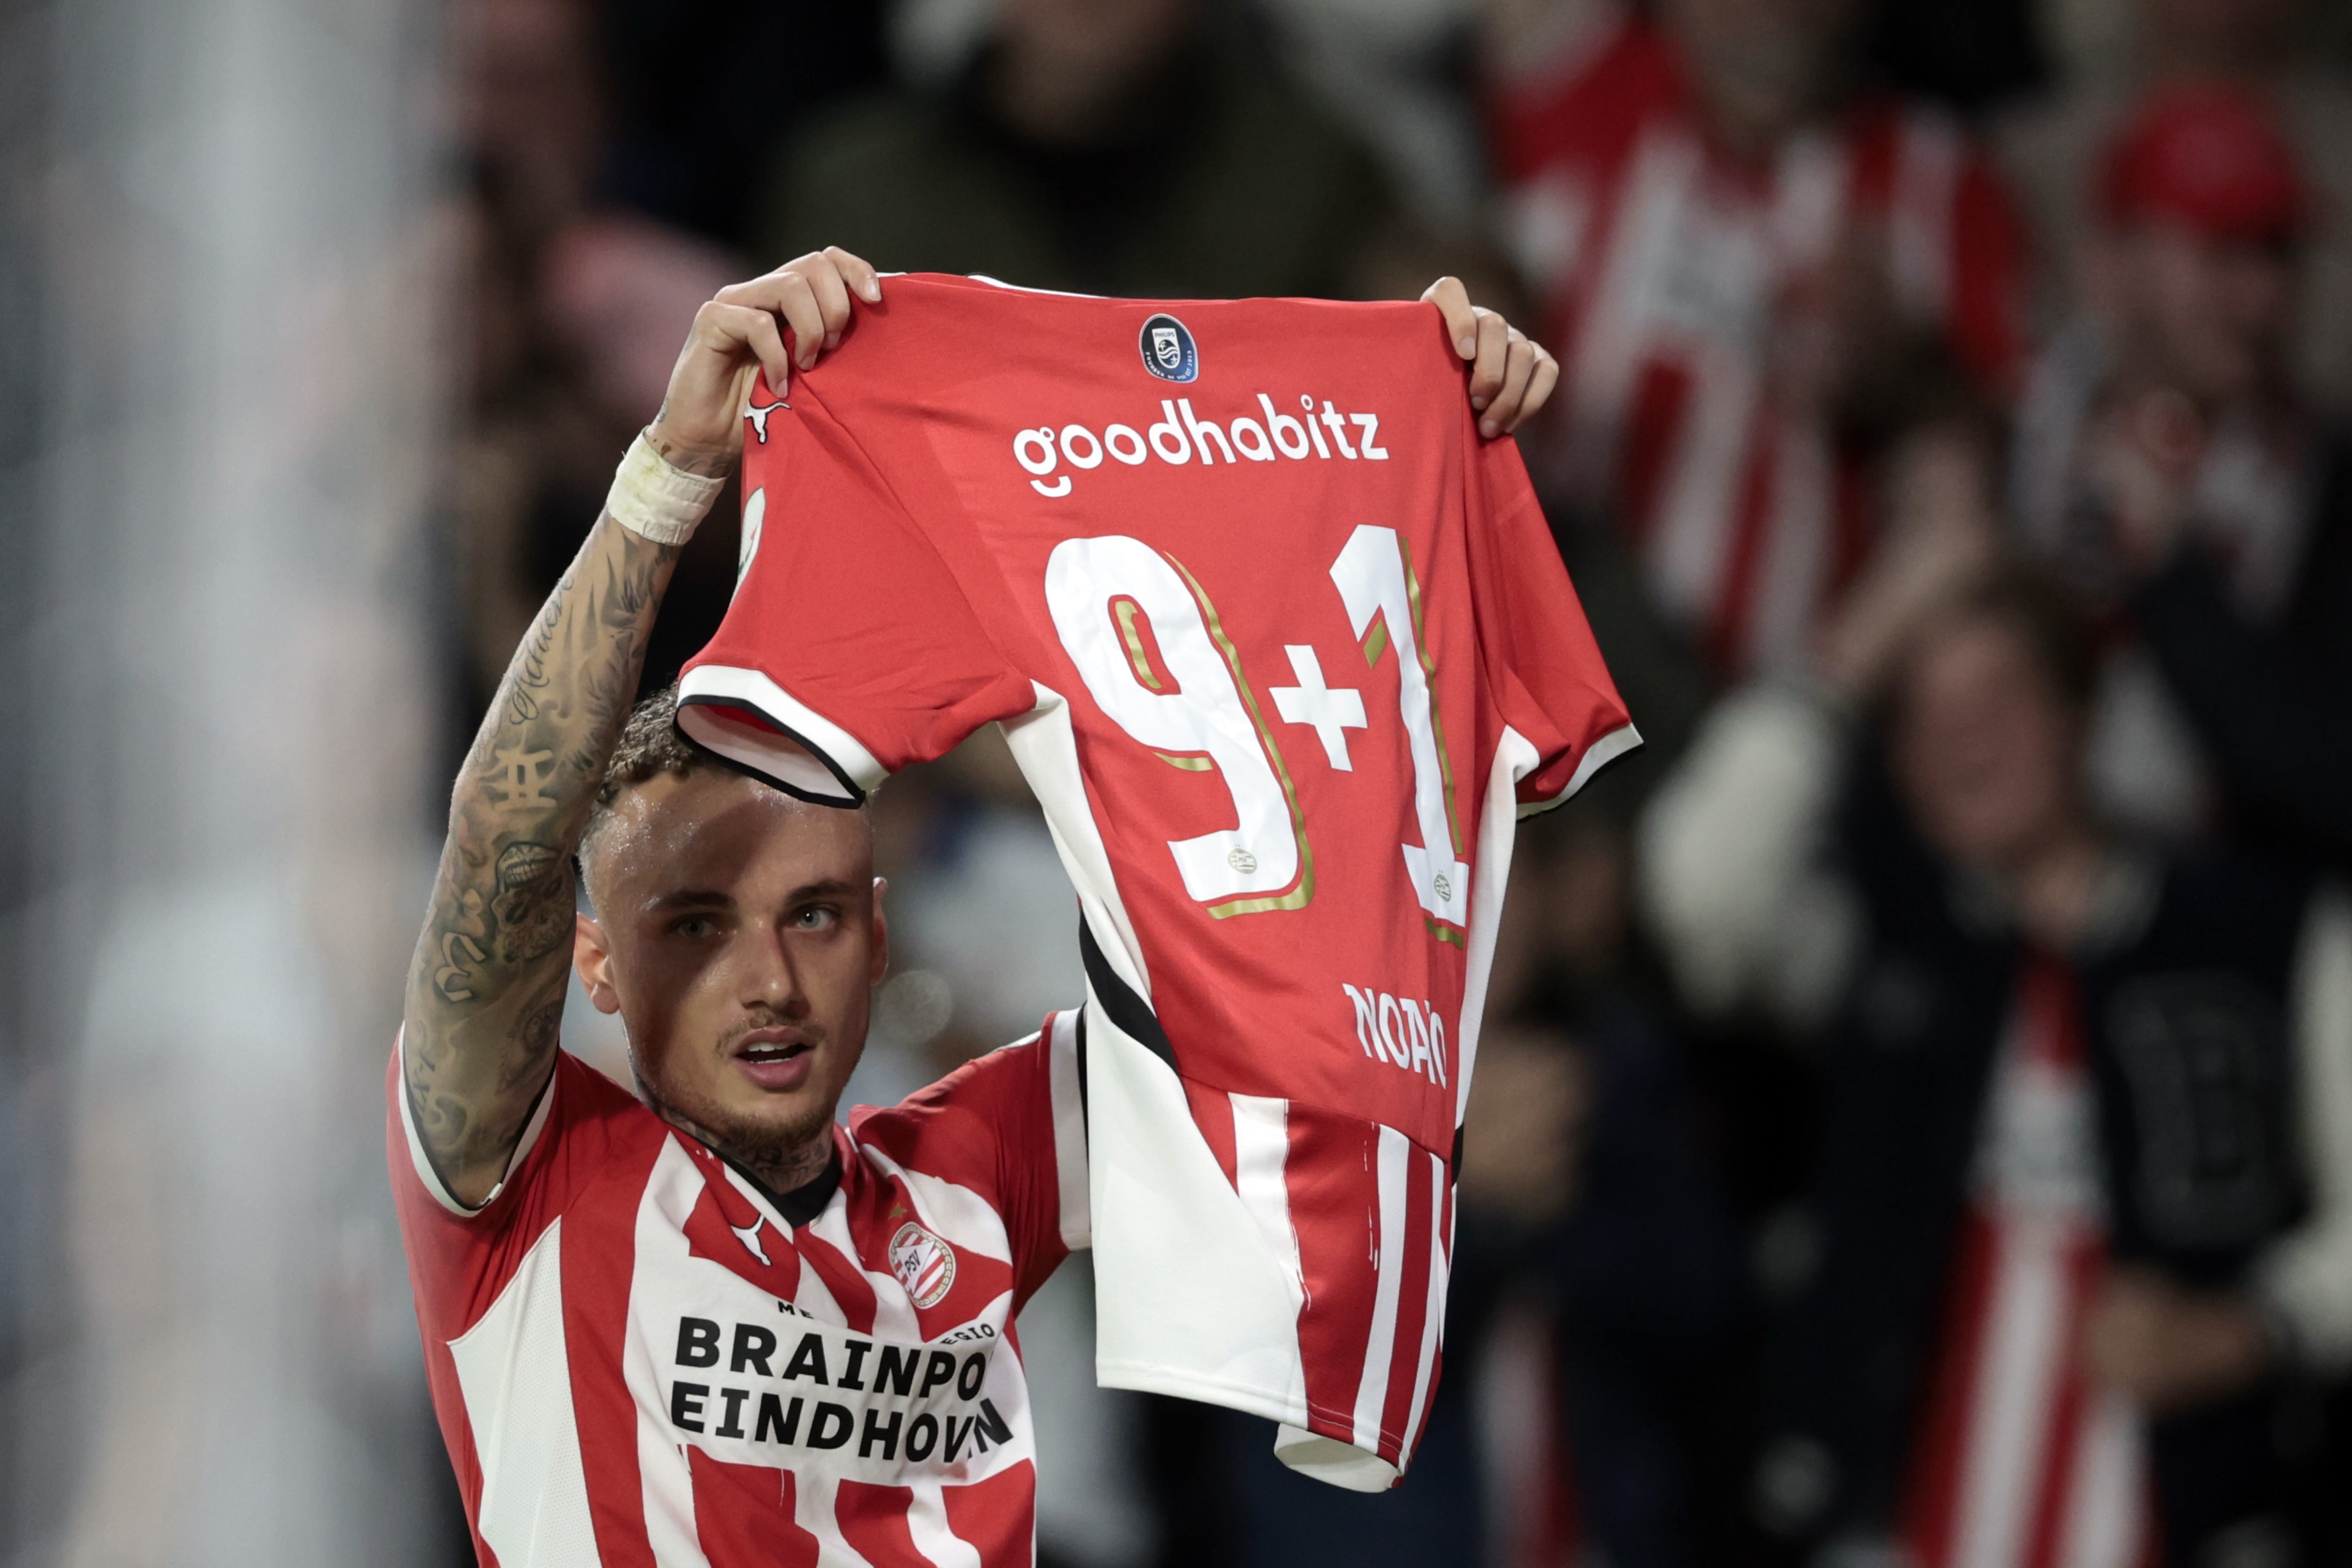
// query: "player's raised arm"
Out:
[487,986]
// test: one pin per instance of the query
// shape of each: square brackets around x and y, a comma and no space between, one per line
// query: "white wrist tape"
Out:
[657,500]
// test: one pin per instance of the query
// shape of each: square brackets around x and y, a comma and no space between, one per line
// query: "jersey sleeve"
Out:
[1011,1127]
[461,1258]
[1548,679]
[849,651]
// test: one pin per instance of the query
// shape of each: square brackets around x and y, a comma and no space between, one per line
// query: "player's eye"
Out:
[816,917]
[694,928]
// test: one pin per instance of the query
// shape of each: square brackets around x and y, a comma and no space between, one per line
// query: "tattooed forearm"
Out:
[487,989]
[538,1033]
[533,908]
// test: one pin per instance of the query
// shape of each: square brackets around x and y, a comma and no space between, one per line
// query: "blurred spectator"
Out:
[576,310]
[534,109]
[1584,1175]
[2083,1228]
[2051,151]
[1737,250]
[1106,146]
[1396,71]
[1967,55]
[2169,463]
[701,90]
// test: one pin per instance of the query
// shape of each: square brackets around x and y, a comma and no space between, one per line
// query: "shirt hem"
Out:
[1596,756]
[846,772]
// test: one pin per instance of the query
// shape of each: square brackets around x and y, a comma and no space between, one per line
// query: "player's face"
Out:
[739,936]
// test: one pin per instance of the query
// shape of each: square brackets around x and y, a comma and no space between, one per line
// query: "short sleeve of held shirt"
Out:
[1006,1130]
[1551,687]
[849,651]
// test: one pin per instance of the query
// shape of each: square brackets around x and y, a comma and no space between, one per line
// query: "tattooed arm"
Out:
[486,989]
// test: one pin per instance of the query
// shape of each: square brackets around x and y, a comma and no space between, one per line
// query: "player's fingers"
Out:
[787,292]
[824,280]
[1518,365]
[796,303]
[1540,383]
[1493,349]
[762,291]
[1504,407]
[858,273]
[734,329]
[1452,302]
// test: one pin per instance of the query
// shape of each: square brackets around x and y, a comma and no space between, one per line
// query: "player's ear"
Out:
[880,964]
[592,960]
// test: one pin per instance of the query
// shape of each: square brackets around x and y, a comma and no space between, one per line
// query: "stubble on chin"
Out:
[784,1152]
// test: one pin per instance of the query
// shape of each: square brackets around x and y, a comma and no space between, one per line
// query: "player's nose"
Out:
[771,977]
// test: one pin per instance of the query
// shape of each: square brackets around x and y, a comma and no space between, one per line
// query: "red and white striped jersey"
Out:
[1689,300]
[2023,1461]
[1284,648]
[638,1360]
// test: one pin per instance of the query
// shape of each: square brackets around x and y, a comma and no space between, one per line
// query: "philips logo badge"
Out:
[1168,351]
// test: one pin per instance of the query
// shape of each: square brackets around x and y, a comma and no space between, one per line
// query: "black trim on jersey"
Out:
[1082,1055]
[1131,1013]
[768,720]
[1454,1170]
[804,1202]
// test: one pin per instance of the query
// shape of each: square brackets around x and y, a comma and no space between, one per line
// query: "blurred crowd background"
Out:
[1914,1126]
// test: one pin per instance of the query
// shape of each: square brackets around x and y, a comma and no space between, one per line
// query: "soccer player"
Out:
[828,1310]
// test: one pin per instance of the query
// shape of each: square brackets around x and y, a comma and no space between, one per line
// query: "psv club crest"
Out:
[925,1265]
[1168,351]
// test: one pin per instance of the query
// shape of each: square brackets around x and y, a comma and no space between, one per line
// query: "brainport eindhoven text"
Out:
[821,1387]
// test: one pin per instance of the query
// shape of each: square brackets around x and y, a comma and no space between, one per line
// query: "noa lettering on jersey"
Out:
[754,1393]
[1055,456]
[1399,1031]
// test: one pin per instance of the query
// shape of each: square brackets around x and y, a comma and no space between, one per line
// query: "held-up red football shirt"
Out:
[1284,648]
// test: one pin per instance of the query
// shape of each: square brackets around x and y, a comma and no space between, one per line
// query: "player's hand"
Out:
[775,323]
[1511,375]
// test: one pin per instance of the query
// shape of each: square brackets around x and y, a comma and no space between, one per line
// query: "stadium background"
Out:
[321,325]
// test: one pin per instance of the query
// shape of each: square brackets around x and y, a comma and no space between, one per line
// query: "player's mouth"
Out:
[779,1059]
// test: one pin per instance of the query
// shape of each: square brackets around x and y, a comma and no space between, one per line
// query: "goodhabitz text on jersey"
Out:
[1181,434]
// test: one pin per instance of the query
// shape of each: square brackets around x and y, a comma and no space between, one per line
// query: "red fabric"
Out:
[2209,156]
[1671,271]
[1398,1409]
[1338,1246]
[874,1523]
[1212,1114]
[743,1516]
[1735,609]
[617,1179]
